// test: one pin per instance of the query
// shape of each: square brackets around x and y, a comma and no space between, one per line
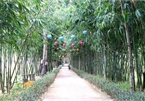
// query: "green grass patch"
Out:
[119,91]
[124,85]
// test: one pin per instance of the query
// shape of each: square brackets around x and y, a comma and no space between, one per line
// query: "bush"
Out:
[40,86]
[15,92]
[111,88]
[19,93]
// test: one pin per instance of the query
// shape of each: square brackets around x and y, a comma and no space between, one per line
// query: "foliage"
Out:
[123,85]
[40,86]
[22,23]
[15,92]
[104,21]
[113,89]
[105,48]
[18,93]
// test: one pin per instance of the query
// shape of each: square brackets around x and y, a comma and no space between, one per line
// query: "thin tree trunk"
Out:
[4,71]
[9,67]
[50,67]
[143,65]
[0,65]
[2,74]
[114,67]
[79,63]
[104,67]
[44,59]
[138,69]
[132,86]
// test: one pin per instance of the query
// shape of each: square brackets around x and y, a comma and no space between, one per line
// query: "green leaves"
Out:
[137,13]
[113,89]
[33,93]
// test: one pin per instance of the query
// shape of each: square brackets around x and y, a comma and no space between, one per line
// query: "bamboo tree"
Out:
[0,66]
[44,58]
[132,86]
[105,64]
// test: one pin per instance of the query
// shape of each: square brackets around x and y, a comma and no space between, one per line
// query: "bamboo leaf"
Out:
[137,13]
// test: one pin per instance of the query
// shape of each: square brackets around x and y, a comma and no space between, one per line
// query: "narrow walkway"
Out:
[70,87]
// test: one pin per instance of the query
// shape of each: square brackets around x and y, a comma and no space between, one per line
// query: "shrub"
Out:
[120,94]
[15,92]
[33,89]
[33,93]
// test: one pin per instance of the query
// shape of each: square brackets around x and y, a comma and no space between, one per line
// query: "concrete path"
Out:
[70,87]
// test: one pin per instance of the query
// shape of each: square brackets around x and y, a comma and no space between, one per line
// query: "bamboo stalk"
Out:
[132,86]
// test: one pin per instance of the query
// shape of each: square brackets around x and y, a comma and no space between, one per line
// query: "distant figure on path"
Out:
[69,66]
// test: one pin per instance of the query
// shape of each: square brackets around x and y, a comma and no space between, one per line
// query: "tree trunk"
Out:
[79,63]
[138,68]
[104,67]
[1,80]
[44,58]
[143,87]
[132,86]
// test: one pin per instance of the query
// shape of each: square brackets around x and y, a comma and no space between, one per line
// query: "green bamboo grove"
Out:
[114,46]
[21,44]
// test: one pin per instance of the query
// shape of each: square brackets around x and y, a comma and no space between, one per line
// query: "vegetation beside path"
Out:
[19,93]
[114,89]
[101,37]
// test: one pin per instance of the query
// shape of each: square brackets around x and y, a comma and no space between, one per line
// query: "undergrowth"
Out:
[117,91]
[19,93]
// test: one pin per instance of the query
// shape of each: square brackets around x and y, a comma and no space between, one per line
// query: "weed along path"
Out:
[70,87]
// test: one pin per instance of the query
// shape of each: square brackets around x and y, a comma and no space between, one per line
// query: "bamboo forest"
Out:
[102,41]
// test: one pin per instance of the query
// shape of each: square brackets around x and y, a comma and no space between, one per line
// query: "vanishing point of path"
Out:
[70,87]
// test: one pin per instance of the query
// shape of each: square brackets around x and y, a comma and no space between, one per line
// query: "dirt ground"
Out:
[68,86]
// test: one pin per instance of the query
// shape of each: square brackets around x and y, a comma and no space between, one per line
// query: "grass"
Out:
[123,85]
